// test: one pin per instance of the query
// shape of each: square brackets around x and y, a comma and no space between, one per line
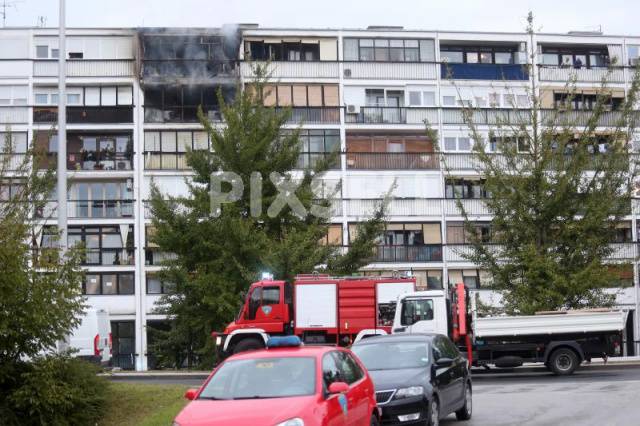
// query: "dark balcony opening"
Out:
[416,253]
[278,50]
[391,152]
[86,114]
[179,104]
[88,151]
[191,55]
[585,102]
[465,188]
[575,56]
[487,62]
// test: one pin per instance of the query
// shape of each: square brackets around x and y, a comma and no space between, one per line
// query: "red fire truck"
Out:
[318,308]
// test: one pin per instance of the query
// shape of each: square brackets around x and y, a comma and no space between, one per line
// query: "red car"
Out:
[284,385]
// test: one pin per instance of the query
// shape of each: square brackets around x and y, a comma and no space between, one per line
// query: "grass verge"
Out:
[142,404]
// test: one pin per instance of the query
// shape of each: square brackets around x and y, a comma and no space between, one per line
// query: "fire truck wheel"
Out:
[563,361]
[248,344]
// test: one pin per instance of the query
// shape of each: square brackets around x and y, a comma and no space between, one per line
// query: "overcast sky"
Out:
[613,16]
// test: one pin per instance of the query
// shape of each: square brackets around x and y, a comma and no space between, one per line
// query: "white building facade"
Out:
[132,96]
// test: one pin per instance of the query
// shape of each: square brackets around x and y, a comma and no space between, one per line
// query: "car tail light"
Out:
[96,345]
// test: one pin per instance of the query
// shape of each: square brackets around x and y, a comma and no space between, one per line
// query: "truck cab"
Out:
[267,306]
[422,312]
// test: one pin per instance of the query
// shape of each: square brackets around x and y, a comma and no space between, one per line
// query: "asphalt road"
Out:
[592,396]
[602,396]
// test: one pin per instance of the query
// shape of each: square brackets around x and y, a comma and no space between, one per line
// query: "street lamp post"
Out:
[62,131]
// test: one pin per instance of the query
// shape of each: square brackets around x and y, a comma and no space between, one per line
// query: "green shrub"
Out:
[54,390]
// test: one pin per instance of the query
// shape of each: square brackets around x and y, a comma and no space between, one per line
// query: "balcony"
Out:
[457,71]
[180,114]
[392,160]
[390,71]
[575,118]
[156,160]
[91,209]
[418,253]
[459,252]
[408,207]
[14,115]
[86,68]
[393,115]
[580,75]
[488,116]
[294,69]
[109,257]
[85,115]
[189,71]
[92,161]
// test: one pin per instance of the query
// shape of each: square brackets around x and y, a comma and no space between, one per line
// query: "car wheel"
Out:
[563,361]
[434,413]
[250,344]
[464,413]
[374,420]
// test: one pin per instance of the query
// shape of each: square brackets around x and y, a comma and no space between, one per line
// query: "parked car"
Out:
[285,384]
[417,377]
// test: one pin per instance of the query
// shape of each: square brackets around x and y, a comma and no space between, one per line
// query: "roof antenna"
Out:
[7,4]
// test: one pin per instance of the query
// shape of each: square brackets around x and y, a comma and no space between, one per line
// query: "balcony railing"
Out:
[314,115]
[484,71]
[192,70]
[472,206]
[86,68]
[414,207]
[390,70]
[393,115]
[459,252]
[581,118]
[180,114]
[491,116]
[92,161]
[392,160]
[589,75]
[295,69]
[14,114]
[86,114]
[417,253]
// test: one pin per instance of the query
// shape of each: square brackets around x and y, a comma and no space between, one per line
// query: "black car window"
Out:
[451,350]
[330,371]
[270,296]
[349,368]
[439,350]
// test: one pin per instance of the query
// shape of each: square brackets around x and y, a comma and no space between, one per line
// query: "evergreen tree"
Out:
[218,256]
[557,189]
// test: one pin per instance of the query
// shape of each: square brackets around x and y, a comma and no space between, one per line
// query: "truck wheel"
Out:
[464,413]
[563,361]
[249,344]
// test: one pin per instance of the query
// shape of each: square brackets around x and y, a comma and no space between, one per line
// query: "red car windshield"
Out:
[262,378]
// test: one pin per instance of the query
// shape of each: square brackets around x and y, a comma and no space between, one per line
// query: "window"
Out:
[330,371]
[429,98]
[76,55]
[458,234]
[575,57]
[55,53]
[41,98]
[166,150]
[449,101]
[414,99]
[17,140]
[464,188]
[388,50]
[457,143]
[478,54]
[108,283]
[254,302]
[270,296]
[316,145]
[42,52]
[104,244]
[472,278]
[349,369]
[450,144]
[414,310]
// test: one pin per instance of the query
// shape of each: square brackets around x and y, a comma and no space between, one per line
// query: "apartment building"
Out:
[132,97]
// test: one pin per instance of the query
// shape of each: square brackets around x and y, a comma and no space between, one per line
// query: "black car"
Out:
[419,378]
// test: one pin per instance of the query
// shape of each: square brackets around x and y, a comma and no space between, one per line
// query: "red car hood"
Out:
[243,412]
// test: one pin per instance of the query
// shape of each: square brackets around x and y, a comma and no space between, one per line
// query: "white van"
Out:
[91,340]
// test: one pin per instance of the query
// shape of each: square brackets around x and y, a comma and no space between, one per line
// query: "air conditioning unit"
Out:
[347,72]
[353,109]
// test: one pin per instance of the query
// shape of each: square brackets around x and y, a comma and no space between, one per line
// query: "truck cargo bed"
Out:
[560,323]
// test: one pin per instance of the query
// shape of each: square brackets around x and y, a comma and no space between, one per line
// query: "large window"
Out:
[464,188]
[282,51]
[101,199]
[13,95]
[575,57]
[388,50]
[172,103]
[104,245]
[86,95]
[166,150]
[472,278]
[478,54]
[156,286]
[17,142]
[316,145]
[405,234]
[301,95]
[458,234]
[108,283]
[587,102]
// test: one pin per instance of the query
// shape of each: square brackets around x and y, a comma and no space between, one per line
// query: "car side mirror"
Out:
[191,394]
[338,387]
[444,362]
